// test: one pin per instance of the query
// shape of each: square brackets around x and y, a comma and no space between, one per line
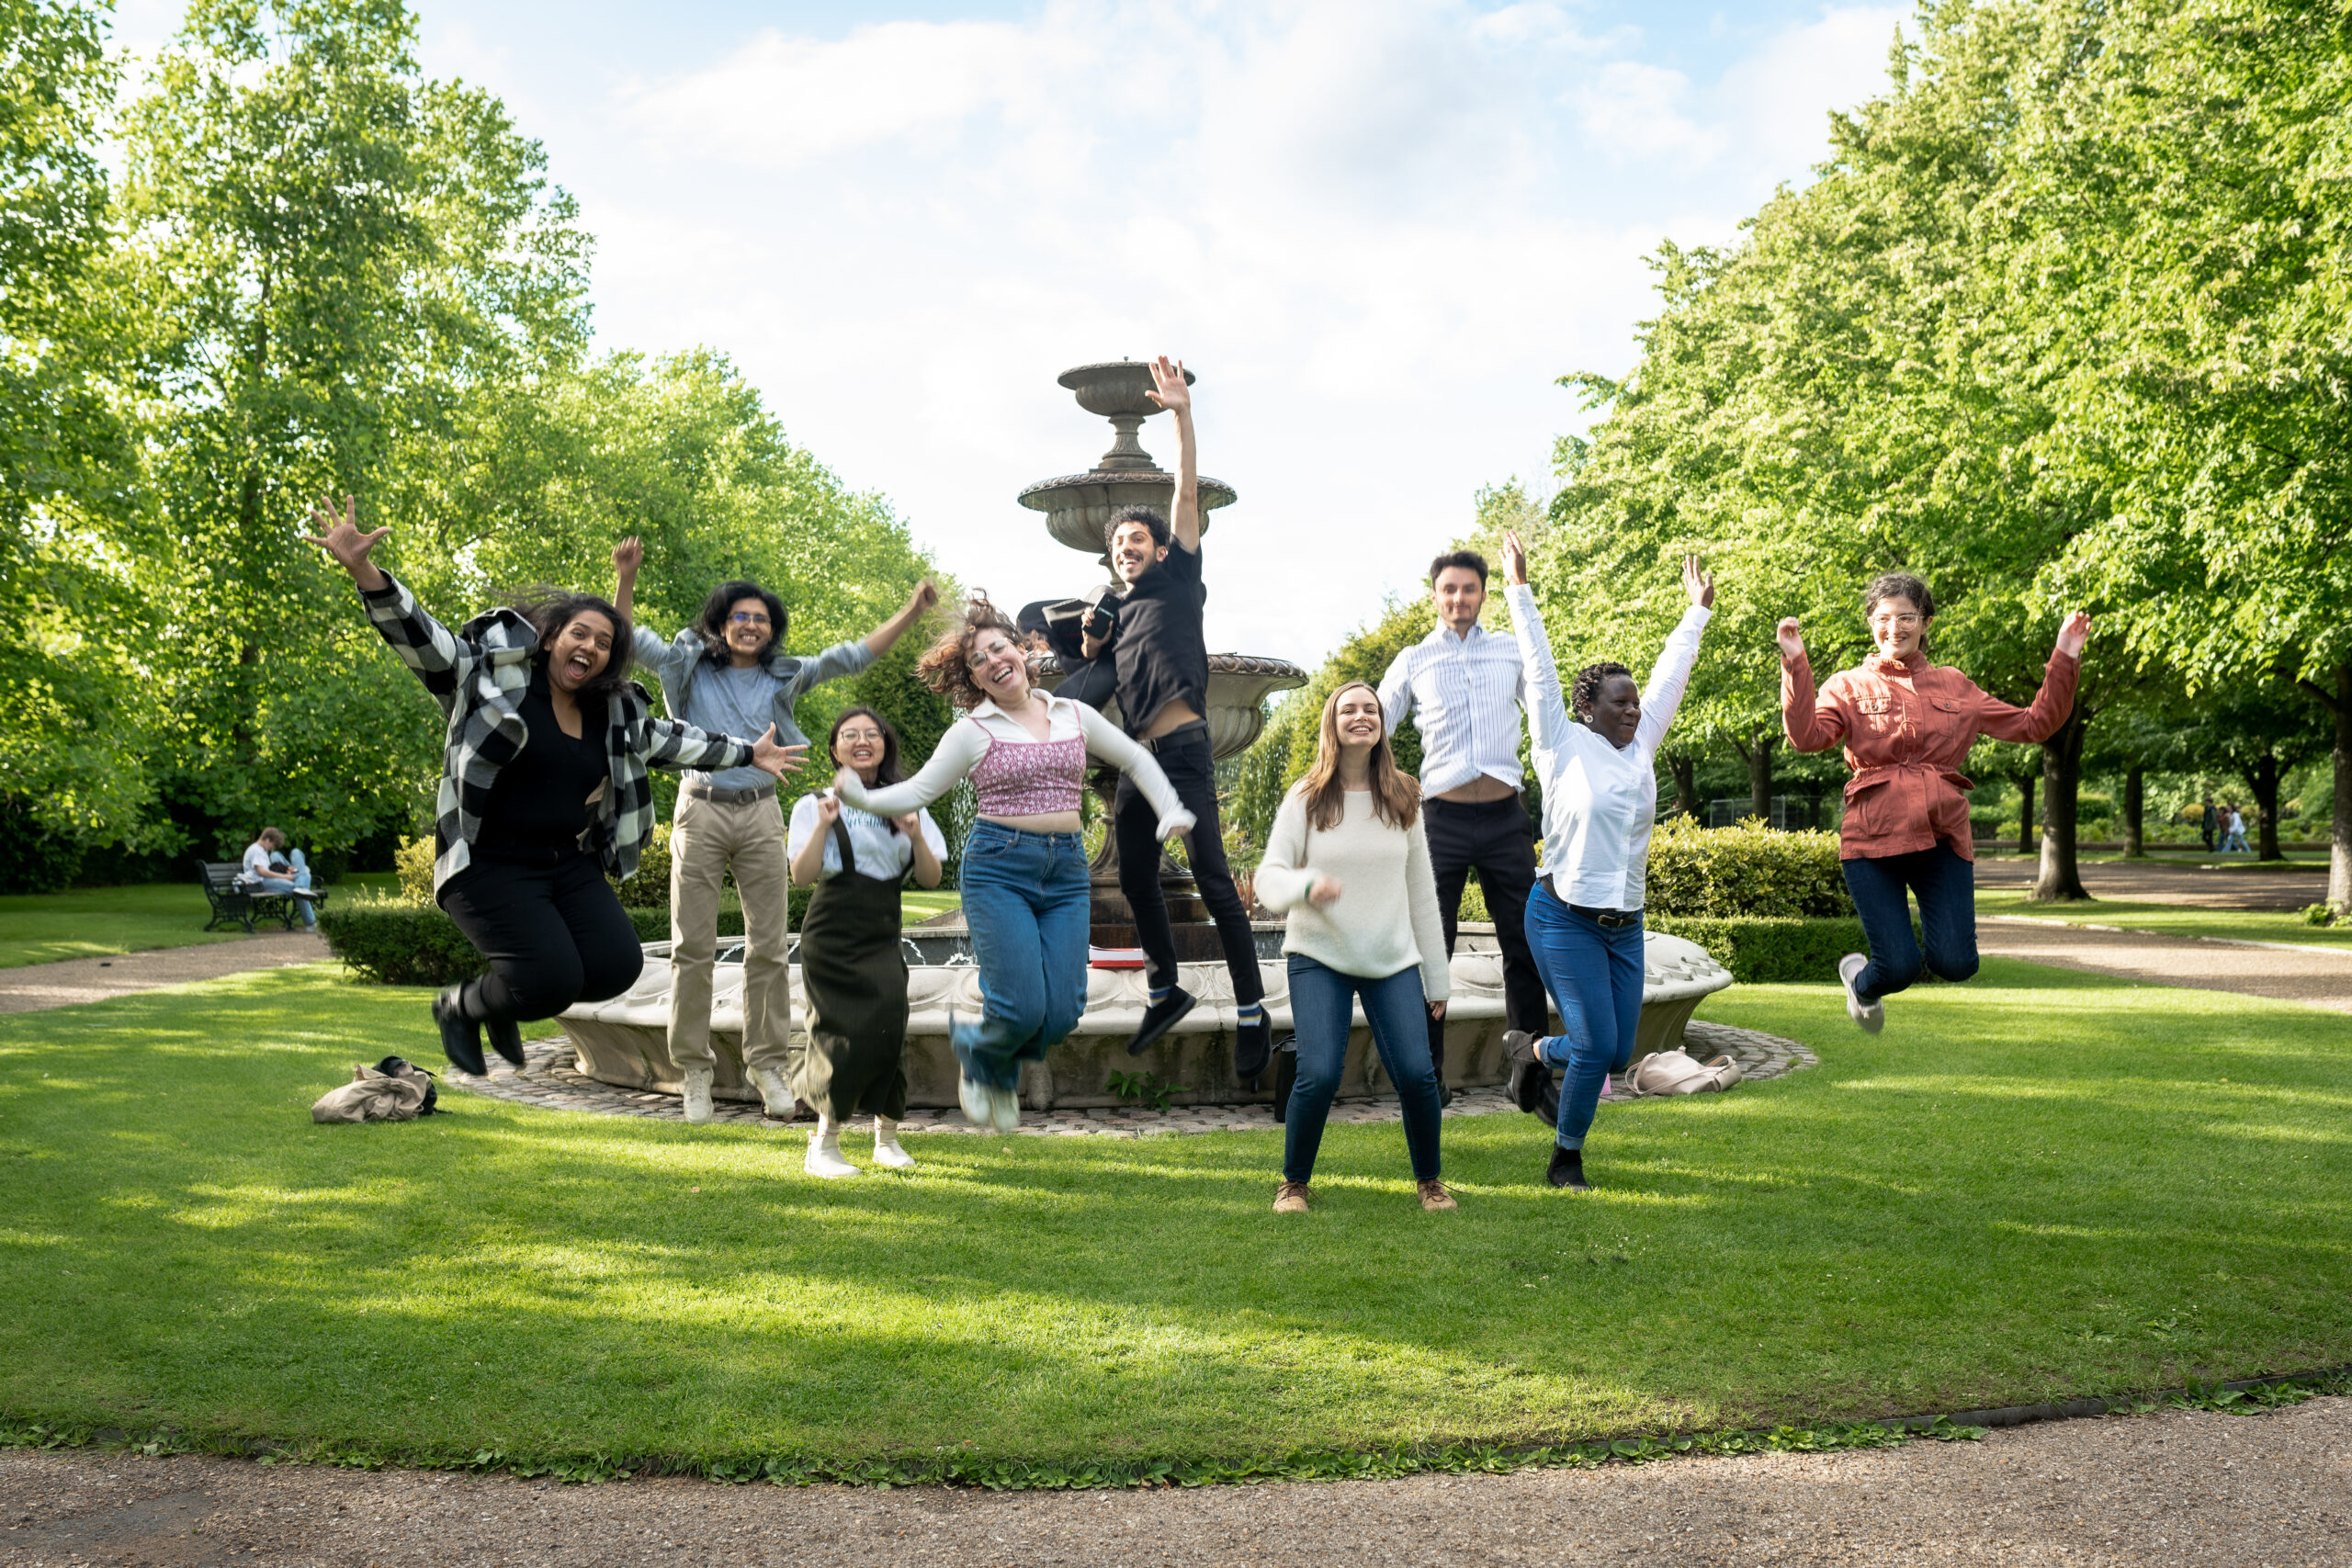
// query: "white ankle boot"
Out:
[825,1151]
[696,1092]
[775,1095]
[886,1146]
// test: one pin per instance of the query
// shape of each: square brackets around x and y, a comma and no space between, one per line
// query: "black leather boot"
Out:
[460,1035]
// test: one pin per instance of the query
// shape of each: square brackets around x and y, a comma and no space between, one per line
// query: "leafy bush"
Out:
[413,862]
[1749,870]
[2327,915]
[400,942]
[648,889]
[1770,951]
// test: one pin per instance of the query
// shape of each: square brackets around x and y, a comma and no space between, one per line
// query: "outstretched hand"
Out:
[1791,637]
[1698,582]
[1514,558]
[340,537]
[627,555]
[1168,389]
[2074,633]
[772,759]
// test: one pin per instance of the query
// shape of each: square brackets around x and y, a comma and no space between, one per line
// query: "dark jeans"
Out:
[1322,1004]
[1497,839]
[1186,760]
[1946,886]
[1595,974]
[552,931]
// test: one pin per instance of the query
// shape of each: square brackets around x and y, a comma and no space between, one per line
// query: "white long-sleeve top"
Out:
[1384,918]
[1600,801]
[969,740]
[1463,693]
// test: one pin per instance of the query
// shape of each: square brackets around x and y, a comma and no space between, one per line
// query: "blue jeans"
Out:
[1946,886]
[1322,1006]
[1594,973]
[301,878]
[1027,904]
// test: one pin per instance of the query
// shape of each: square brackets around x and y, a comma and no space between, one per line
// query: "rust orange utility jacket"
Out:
[1907,726]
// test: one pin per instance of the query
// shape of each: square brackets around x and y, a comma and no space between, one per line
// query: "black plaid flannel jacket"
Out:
[479,676]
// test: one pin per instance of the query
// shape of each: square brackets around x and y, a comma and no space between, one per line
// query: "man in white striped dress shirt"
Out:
[1463,688]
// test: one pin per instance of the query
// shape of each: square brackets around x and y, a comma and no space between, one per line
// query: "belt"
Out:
[1608,917]
[1199,727]
[727,796]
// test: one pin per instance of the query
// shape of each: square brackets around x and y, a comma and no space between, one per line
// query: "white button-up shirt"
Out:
[1463,693]
[1600,801]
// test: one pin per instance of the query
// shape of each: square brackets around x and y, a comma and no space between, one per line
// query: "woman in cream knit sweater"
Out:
[1348,863]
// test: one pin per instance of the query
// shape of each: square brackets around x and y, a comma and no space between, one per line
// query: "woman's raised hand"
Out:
[1514,560]
[1169,389]
[1324,891]
[1791,637]
[2074,633]
[627,555]
[771,758]
[340,537]
[1698,582]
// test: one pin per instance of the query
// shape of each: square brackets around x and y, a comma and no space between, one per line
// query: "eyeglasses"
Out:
[1904,621]
[747,618]
[859,735]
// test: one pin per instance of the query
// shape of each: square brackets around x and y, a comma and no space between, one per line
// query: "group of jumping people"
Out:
[544,795]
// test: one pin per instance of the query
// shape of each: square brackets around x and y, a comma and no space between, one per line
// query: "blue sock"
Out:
[1249,1014]
[1158,995]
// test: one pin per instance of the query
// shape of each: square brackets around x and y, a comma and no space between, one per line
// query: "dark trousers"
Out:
[552,931]
[1186,760]
[1945,888]
[1497,839]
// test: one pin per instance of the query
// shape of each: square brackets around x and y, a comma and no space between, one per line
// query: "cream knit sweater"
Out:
[1384,918]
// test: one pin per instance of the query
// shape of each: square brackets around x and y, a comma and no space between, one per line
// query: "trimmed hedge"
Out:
[398,941]
[648,889]
[1746,871]
[1770,951]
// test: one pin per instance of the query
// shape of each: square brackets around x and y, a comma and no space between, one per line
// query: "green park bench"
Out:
[239,905]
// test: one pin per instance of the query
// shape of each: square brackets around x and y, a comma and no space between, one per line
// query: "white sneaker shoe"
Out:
[1870,1019]
[825,1154]
[697,1094]
[886,1146]
[775,1095]
[978,1102]
[1005,1109]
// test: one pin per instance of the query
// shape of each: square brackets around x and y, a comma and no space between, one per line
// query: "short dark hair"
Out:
[723,599]
[888,771]
[1585,691]
[550,610]
[1143,514]
[1898,585]
[1469,559]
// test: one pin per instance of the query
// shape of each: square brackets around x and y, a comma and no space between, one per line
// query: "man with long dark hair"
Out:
[729,668]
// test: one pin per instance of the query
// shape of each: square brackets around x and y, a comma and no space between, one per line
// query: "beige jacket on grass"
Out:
[371,1096]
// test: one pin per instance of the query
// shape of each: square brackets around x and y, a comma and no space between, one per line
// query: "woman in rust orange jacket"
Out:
[1907,725]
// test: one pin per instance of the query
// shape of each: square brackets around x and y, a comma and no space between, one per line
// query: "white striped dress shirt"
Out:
[1463,693]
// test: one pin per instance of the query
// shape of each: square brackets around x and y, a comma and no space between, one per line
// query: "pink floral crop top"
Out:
[1031,778]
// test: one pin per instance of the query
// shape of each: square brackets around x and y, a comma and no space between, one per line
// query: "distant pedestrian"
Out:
[2233,837]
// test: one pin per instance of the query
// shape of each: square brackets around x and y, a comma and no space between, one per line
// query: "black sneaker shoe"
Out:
[460,1035]
[505,1038]
[1159,1018]
[1528,1072]
[1568,1169]
[1253,1047]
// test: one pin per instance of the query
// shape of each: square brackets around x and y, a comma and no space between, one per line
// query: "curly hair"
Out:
[946,666]
[1898,585]
[1586,692]
[712,623]
[1152,521]
[550,610]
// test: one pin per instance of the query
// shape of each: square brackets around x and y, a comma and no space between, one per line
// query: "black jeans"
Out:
[552,931]
[1186,760]
[1946,885]
[1496,839]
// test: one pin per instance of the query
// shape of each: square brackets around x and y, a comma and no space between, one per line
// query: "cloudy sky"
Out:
[1376,230]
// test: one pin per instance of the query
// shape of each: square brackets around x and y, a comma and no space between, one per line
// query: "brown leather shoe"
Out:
[1290,1198]
[1435,1198]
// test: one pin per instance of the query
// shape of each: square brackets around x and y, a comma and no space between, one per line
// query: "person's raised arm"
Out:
[958,752]
[1670,677]
[929,845]
[424,643]
[1812,723]
[1106,742]
[1548,724]
[2053,705]
[340,537]
[627,555]
[1170,392]
[1396,692]
[878,640]
[813,816]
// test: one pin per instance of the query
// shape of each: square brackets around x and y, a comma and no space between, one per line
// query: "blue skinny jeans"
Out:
[1594,973]
[1322,1006]
[1027,901]
[1945,888]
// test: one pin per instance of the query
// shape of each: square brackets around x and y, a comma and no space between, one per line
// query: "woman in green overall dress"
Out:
[852,969]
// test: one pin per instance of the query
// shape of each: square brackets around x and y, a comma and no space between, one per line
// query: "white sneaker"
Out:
[775,1096]
[974,1095]
[825,1154]
[886,1146]
[1870,1019]
[696,1092]
[1006,1110]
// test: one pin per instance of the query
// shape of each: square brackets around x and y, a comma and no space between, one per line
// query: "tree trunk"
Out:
[2339,847]
[2263,780]
[2135,813]
[1758,753]
[1685,772]
[2061,878]
[2025,813]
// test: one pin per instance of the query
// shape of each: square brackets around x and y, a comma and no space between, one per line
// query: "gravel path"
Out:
[2224,887]
[2319,975]
[2171,1488]
[33,987]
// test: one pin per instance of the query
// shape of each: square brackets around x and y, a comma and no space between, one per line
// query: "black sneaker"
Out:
[460,1035]
[1568,1169]
[1159,1018]
[1528,1072]
[505,1038]
[1253,1047]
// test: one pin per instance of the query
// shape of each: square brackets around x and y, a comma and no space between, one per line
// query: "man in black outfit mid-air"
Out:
[1163,677]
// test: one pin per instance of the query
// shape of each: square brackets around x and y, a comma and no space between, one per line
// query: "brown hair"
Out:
[1396,794]
[886,772]
[946,666]
[272,837]
[1898,585]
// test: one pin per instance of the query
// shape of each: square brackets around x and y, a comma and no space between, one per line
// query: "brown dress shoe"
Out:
[1434,1197]
[1290,1198]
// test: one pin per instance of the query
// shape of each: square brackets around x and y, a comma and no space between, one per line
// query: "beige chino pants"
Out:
[707,839]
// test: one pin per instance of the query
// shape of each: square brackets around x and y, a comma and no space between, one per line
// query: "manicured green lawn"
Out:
[99,922]
[2176,920]
[2039,1185]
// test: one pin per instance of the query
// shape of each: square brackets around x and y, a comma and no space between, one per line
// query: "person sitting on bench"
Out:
[267,870]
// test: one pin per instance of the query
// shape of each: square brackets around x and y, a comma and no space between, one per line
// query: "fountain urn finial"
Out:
[1078,507]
